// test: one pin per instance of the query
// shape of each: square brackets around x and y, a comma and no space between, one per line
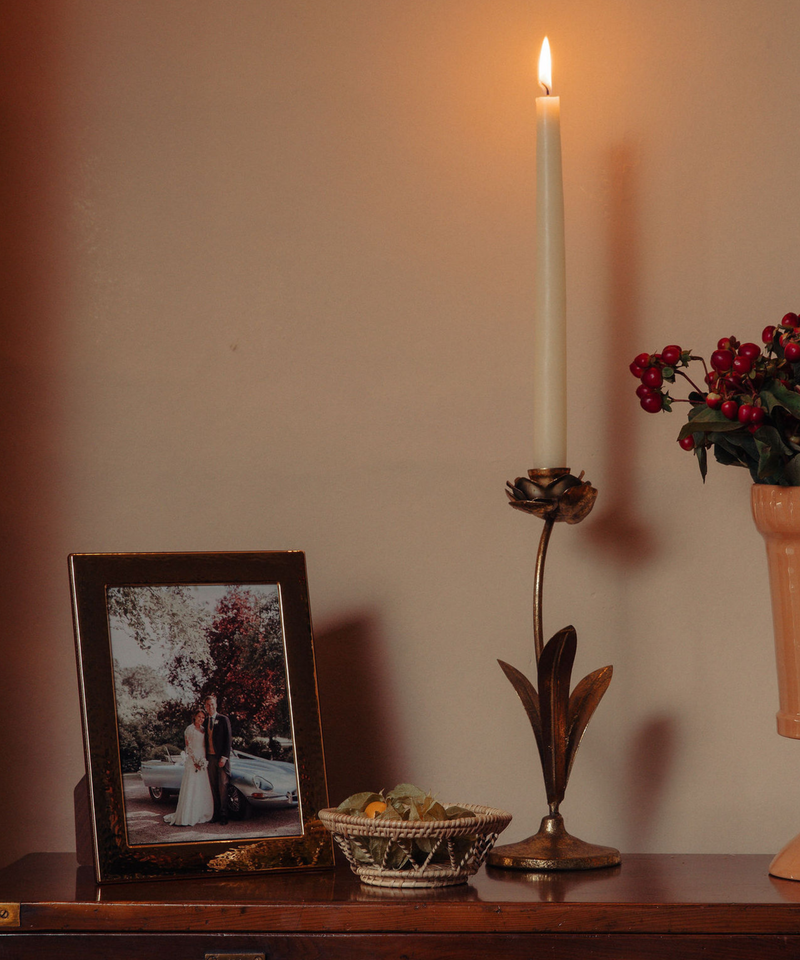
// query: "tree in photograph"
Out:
[247,672]
[139,687]
[143,725]
[170,619]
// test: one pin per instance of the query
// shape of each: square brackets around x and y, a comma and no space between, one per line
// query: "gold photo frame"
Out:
[200,713]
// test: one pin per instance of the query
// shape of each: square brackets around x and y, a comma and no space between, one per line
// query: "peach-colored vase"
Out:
[776,511]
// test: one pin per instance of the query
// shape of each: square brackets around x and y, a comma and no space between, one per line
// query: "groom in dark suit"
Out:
[217,730]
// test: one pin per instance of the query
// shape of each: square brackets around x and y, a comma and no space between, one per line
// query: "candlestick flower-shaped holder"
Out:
[558,718]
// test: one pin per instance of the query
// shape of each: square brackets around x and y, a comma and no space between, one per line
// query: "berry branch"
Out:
[749,412]
[686,376]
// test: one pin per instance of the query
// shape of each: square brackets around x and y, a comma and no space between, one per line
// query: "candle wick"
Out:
[545,88]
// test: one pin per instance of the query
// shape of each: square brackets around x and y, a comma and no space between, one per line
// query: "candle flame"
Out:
[545,68]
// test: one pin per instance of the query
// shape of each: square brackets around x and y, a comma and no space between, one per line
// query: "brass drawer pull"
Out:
[9,914]
[235,956]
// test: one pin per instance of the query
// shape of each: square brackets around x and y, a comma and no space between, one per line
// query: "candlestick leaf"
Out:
[582,704]
[555,670]
[530,701]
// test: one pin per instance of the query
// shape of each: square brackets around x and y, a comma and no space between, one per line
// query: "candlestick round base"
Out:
[552,848]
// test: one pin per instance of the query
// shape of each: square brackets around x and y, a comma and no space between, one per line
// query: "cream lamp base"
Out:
[786,863]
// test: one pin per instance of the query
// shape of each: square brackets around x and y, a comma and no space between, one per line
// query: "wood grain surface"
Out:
[653,894]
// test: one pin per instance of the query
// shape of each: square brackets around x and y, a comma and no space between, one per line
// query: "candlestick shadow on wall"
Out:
[558,718]
[622,533]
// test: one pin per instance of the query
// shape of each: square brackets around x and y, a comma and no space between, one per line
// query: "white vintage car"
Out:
[255,782]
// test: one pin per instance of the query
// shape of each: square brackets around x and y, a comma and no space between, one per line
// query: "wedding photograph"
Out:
[203,716]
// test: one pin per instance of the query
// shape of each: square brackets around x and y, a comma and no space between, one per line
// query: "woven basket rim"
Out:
[485,817]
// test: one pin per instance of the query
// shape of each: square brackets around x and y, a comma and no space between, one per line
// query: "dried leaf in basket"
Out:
[357,803]
[379,852]
[390,813]
[424,846]
[427,809]
[456,849]
[403,802]
[405,792]
[454,811]
[397,857]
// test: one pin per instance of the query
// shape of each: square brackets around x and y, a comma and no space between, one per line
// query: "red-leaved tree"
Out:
[246,668]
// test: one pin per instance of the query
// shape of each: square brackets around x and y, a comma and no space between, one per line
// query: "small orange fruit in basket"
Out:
[373,809]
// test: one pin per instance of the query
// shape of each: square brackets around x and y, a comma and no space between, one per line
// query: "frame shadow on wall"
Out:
[356,705]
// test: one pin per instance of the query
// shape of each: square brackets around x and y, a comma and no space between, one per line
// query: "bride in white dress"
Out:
[195,802]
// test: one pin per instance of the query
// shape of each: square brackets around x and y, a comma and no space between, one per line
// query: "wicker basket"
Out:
[416,853]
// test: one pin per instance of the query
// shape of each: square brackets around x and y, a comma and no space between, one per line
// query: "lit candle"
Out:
[550,335]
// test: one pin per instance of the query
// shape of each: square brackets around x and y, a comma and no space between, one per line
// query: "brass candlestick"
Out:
[558,718]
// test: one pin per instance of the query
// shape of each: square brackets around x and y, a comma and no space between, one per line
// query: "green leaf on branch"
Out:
[728,459]
[696,410]
[702,456]
[769,458]
[792,471]
[776,395]
[772,437]
[707,420]
[735,449]
[772,454]
[738,440]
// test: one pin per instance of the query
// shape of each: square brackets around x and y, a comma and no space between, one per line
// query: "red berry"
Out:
[742,365]
[671,355]
[687,443]
[790,320]
[636,370]
[652,377]
[792,351]
[651,404]
[643,360]
[757,415]
[721,359]
[643,391]
[713,400]
[724,343]
[751,350]
[743,414]
[730,408]
[767,334]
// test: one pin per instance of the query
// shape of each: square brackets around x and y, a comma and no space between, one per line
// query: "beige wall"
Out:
[268,284]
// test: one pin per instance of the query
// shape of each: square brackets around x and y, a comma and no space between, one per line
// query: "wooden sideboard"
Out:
[655,906]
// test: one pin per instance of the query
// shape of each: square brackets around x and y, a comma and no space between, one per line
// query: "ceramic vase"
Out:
[776,511]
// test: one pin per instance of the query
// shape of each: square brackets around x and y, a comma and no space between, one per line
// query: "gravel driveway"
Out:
[146,820]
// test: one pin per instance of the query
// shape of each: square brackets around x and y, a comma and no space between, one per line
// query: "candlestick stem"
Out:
[538,587]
